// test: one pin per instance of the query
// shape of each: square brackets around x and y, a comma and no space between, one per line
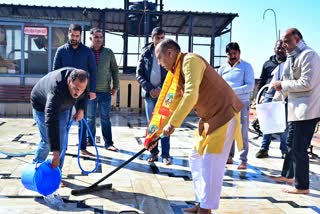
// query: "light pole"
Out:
[275,22]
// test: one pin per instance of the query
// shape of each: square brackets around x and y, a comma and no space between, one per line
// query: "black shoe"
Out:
[262,153]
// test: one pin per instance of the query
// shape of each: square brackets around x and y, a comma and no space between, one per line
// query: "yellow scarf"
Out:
[162,109]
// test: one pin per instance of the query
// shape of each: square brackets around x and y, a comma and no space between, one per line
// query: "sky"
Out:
[255,35]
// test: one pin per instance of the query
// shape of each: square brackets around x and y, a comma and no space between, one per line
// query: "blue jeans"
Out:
[44,147]
[266,139]
[244,118]
[165,142]
[103,101]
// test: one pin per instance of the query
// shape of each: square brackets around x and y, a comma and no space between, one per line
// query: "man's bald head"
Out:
[291,38]
[166,44]
[167,51]
[294,32]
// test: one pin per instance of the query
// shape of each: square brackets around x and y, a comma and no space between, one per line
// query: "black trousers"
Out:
[296,162]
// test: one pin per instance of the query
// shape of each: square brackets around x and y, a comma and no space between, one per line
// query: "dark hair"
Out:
[296,32]
[78,74]
[95,30]
[166,44]
[232,46]
[75,27]
[157,31]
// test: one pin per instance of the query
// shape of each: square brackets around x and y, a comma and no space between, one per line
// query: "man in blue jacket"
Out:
[151,77]
[77,55]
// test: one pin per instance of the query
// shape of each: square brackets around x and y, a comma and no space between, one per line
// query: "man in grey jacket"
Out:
[301,84]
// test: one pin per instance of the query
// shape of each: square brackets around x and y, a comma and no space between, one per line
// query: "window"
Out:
[36,54]
[10,49]
[59,37]
[220,49]
[36,47]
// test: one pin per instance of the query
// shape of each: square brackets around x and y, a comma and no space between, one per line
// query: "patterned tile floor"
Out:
[141,187]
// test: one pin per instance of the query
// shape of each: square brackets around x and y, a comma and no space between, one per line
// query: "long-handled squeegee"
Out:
[95,187]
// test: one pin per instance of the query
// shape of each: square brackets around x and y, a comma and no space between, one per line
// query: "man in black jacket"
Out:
[52,98]
[265,78]
[151,77]
[271,64]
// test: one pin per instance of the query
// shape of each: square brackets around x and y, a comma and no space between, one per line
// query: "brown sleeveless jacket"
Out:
[217,102]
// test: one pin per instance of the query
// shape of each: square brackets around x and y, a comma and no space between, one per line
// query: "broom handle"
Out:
[122,165]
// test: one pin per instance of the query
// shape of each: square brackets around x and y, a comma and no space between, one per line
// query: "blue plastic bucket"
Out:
[41,178]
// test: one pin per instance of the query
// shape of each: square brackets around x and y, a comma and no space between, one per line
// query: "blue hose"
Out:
[17,154]
[67,134]
[84,121]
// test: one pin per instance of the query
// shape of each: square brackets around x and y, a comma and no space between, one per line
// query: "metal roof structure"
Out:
[135,20]
[204,24]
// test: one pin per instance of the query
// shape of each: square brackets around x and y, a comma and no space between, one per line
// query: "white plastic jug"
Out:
[271,116]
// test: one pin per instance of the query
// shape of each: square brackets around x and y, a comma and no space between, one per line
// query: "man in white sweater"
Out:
[301,84]
[240,76]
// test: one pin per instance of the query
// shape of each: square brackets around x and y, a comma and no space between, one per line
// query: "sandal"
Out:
[153,157]
[167,161]
[87,153]
[242,166]
[112,148]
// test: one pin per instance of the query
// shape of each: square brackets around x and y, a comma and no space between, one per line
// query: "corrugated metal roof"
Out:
[173,22]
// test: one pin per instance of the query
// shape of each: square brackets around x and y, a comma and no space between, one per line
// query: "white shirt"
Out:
[155,75]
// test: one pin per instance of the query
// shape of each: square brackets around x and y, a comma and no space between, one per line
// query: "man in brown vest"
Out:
[203,90]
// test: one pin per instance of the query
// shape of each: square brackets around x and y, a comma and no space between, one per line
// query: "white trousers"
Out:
[208,171]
